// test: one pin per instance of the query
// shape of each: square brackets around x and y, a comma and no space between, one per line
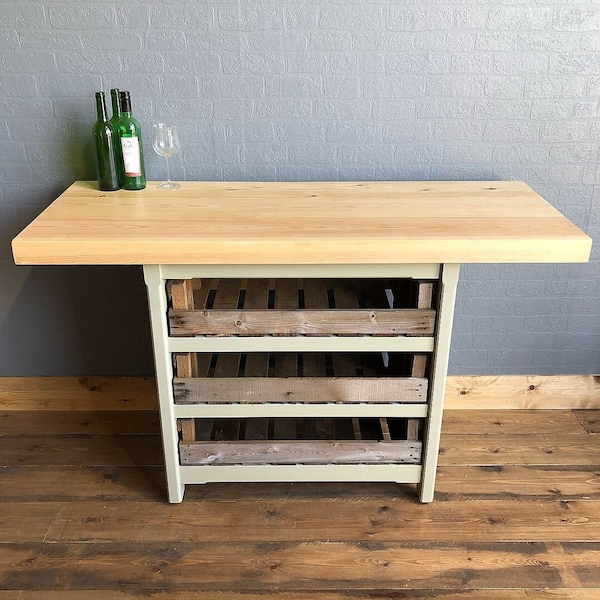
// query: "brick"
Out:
[576,63]
[458,85]
[556,173]
[418,63]
[458,130]
[111,40]
[567,131]
[367,41]
[576,19]
[502,109]
[472,17]
[253,131]
[225,154]
[444,109]
[66,86]
[165,40]
[433,41]
[143,62]
[343,109]
[520,64]
[496,41]
[312,154]
[419,153]
[20,85]
[511,131]
[133,16]
[20,108]
[283,108]
[341,86]
[227,86]
[392,110]
[347,18]
[304,62]
[301,131]
[186,108]
[357,173]
[250,18]
[408,131]
[44,39]
[264,154]
[90,62]
[552,109]
[467,153]
[519,18]
[394,41]
[553,42]
[418,19]
[504,86]
[403,172]
[22,16]
[256,63]
[543,87]
[510,173]
[357,62]
[461,173]
[357,133]
[394,86]
[300,17]
[232,109]
[589,42]
[302,86]
[179,86]
[15,173]
[9,40]
[181,17]
[330,40]
[585,109]
[11,152]
[471,63]
[29,61]
[80,18]
[365,154]
[520,153]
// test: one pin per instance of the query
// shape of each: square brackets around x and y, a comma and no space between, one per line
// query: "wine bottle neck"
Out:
[115,103]
[100,106]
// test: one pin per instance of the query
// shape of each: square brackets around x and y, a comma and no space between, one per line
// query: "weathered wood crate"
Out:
[273,441]
[312,378]
[311,307]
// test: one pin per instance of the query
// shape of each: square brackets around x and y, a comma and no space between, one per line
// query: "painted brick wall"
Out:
[306,90]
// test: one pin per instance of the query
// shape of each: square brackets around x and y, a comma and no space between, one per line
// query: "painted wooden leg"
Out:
[439,371]
[157,300]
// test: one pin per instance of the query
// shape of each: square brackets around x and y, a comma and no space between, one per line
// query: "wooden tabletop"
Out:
[302,223]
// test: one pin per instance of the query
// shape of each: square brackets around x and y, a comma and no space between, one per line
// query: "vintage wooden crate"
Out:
[312,307]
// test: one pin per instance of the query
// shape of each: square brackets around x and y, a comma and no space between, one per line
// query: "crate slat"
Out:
[310,390]
[391,322]
[289,453]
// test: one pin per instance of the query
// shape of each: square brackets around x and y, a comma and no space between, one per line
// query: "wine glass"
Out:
[166,143]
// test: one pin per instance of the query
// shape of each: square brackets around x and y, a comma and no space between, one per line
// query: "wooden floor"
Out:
[83,516]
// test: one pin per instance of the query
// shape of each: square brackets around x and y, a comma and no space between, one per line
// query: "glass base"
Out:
[169,185]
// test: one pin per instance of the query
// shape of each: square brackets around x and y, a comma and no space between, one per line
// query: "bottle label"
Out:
[131,156]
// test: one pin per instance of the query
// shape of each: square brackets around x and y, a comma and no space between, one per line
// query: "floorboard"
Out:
[83,516]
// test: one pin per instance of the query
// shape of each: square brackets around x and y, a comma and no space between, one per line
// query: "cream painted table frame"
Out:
[363,230]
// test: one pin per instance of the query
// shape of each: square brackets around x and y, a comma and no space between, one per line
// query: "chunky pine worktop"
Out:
[302,223]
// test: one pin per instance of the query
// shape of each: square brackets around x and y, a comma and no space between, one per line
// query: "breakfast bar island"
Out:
[301,330]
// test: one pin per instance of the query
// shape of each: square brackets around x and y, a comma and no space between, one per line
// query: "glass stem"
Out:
[168,171]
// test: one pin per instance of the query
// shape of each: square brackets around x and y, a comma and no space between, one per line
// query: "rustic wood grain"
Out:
[414,322]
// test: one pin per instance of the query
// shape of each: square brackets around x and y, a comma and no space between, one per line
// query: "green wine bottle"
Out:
[104,143]
[130,141]
[114,121]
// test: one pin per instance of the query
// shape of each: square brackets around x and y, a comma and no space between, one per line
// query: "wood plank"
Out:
[255,390]
[182,293]
[534,449]
[590,419]
[414,322]
[523,422]
[50,423]
[347,594]
[133,393]
[286,294]
[529,391]
[26,521]
[335,520]
[315,294]
[78,393]
[313,452]
[227,295]
[257,294]
[67,482]
[285,566]
[89,450]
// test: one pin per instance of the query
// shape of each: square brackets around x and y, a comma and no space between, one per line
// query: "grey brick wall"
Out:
[306,90]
